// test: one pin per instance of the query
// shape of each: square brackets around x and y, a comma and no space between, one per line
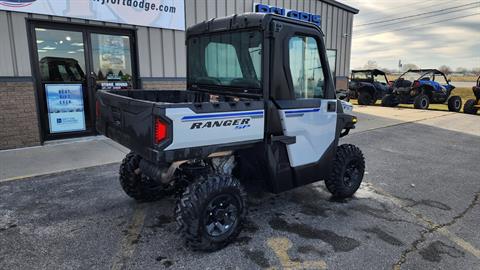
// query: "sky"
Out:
[425,42]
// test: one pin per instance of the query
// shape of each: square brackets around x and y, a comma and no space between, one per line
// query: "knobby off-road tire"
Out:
[454,103]
[469,107]
[211,211]
[137,185]
[364,98]
[421,102]
[347,172]
[389,101]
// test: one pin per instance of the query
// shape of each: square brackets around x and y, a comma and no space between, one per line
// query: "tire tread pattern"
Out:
[334,182]
[190,207]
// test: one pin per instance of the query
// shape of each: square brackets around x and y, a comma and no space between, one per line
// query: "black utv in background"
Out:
[473,105]
[368,86]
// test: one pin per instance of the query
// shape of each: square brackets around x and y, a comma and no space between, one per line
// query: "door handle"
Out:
[283,139]
[332,106]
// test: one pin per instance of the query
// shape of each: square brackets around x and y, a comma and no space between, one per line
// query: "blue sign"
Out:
[294,14]
[65,107]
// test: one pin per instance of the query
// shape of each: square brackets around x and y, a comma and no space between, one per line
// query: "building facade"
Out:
[52,58]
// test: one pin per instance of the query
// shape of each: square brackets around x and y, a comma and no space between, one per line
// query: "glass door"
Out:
[111,61]
[63,85]
[72,62]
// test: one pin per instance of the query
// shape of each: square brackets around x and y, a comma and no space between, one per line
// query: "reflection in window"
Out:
[112,58]
[332,62]
[60,55]
[306,68]
[226,59]
[221,61]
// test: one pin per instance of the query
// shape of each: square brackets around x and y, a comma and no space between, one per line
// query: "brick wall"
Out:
[164,85]
[18,115]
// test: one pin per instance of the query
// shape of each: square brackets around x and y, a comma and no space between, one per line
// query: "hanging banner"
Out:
[168,14]
[65,107]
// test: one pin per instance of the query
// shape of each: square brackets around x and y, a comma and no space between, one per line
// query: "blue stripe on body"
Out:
[222,115]
[302,111]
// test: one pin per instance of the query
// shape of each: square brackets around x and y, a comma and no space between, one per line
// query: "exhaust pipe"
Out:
[157,173]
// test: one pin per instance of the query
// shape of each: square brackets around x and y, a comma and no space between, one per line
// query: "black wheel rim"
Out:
[352,174]
[221,215]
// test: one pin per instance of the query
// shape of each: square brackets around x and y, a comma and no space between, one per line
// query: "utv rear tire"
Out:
[389,101]
[211,211]
[347,172]
[469,107]
[454,103]
[137,185]
[364,98]
[421,102]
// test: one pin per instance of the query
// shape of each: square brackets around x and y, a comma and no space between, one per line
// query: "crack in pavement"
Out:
[432,227]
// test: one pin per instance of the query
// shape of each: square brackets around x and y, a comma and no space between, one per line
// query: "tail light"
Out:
[416,84]
[160,131]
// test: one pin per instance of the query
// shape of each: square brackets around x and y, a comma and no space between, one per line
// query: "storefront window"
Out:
[112,61]
[60,55]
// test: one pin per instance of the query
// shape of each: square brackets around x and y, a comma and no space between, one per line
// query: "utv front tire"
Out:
[135,184]
[347,172]
[454,103]
[421,102]
[469,107]
[364,98]
[211,211]
[389,101]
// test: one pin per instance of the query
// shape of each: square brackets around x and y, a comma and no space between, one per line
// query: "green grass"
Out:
[464,92]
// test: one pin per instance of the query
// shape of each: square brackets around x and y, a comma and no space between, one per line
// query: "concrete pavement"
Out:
[418,208]
[59,156]
[93,151]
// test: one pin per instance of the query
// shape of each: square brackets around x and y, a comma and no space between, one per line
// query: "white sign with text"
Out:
[168,14]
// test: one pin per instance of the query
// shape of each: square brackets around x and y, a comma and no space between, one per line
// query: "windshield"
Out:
[361,75]
[230,60]
[411,76]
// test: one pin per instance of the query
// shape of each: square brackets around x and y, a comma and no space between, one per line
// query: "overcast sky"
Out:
[455,43]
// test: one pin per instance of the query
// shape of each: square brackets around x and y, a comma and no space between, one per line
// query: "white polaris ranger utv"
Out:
[260,105]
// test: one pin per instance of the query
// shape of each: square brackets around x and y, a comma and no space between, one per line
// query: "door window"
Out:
[332,61]
[306,68]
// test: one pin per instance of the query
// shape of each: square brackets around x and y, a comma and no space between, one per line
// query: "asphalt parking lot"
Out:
[419,208]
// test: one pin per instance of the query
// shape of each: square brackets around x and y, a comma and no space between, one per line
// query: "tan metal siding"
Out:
[161,52]
[6,54]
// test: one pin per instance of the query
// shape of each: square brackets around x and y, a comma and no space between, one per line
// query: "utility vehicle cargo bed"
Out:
[169,125]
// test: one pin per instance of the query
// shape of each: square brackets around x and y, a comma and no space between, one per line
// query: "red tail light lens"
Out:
[160,131]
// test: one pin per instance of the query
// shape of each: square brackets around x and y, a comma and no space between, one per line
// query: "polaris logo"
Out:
[237,123]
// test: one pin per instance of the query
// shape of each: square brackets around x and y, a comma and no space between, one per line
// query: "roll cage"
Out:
[424,72]
[371,73]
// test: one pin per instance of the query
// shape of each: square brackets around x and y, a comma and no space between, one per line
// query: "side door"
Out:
[306,104]
[310,115]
